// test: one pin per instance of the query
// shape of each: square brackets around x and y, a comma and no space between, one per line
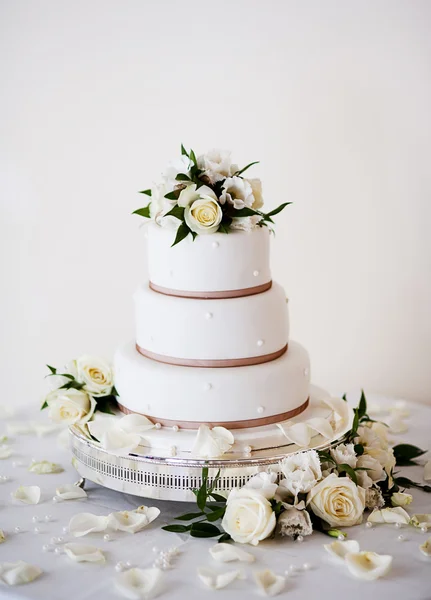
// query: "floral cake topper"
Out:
[205,194]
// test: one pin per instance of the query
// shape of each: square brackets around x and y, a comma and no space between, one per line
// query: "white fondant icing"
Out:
[241,260]
[177,393]
[174,326]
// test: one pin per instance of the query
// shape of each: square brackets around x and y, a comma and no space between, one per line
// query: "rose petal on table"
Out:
[425,548]
[322,426]
[19,572]
[269,583]
[5,452]
[421,521]
[83,553]
[41,429]
[390,515]
[43,467]
[427,471]
[132,521]
[2,536]
[28,494]
[339,549]
[399,409]
[397,425]
[19,427]
[138,584]
[228,553]
[368,565]
[85,523]
[217,581]
[69,491]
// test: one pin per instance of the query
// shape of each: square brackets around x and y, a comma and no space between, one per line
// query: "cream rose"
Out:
[256,188]
[95,374]
[249,517]
[203,215]
[70,406]
[338,501]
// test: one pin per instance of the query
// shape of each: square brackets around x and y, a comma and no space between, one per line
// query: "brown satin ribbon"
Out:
[257,289]
[228,424]
[216,363]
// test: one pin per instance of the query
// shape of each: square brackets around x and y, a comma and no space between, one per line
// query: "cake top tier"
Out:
[205,195]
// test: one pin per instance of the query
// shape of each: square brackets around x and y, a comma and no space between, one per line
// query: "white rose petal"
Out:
[339,549]
[211,443]
[264,483]
[116,440]
[390,515]
[368,565]
[338,501]
[85,523]
[133,521]
[138,584]
[189,194]
[401,499]
[42,429]
[135,424]
[372,468]
[18,573]
[321,426]
[299,433]
[343,414]
[249,517]
[427,471]
[301,471]
[256,188]
[344,454]
[82,553]
[421,521]
[19,427]
[425,548]
[96,375]
[269,583]
[28,494]
[217,581]
[400,409]
[44,467]
[5,452]
[69,491]
[228,553]
[397,425]
[2,536]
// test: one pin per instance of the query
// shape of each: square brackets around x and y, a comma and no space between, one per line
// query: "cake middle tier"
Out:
[215,333]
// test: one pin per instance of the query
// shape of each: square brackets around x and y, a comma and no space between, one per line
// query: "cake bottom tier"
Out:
[234,397]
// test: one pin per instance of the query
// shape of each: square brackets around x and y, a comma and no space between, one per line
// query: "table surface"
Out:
[410,577]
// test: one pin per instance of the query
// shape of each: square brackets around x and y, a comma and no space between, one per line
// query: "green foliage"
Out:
[146,192]
[241,171]
[406,453]
[177,212]
[405,482]
[182,232]
[143,212]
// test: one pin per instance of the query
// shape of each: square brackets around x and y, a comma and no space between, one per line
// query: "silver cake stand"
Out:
[173,478]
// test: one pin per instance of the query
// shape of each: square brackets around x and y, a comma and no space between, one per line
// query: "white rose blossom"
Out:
[217,165]
[70,407]
[369,470]
[338,501]
[96,375]
[301,471]
[238,192]
[204,215]
[249,517]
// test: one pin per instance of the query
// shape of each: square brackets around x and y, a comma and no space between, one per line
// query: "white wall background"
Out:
[333,97]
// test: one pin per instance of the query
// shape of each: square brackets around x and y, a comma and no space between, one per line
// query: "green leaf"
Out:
[189,516]
[344,468]
[114,391]
[223,228]
[44,405]
[182,232]
[218,497]
[193,158]
[362,408]
[146,192]
[52,369]
[177,528]
[325,457]
[72,385]
[344,397]
[406,453]
[204,530]
[201,498]
[214,483]
[184,151]
[359,449]
[143,212]
[244,212]
[256,162]
[216,514]
[408,483]
[224,538]
[177,212]
[276,210]
[182,177]
[172,195]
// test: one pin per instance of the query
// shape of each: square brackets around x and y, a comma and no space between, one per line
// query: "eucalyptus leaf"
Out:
[404,452]
[408,483]
[204,530]
[362,408]
[218,497]
[193,158]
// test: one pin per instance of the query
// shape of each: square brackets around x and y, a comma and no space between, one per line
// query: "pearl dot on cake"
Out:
[306,371]
[248,449]
[157,426]
[208,316]
[215,244]
[207,387]
[255,273]
[175,428]
[260,409]
[173,451]
[260,342]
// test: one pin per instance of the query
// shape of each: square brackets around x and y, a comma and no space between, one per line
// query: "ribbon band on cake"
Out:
[212,363]
[259,422]
[251,291]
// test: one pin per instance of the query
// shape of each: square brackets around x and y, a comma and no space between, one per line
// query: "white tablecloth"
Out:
[409,579]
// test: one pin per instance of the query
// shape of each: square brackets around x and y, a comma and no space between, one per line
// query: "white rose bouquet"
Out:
[205,194]
[85,385]
[312,490]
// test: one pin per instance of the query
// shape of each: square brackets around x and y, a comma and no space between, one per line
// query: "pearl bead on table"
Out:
[207,387]
[397,525]
[300,538]
[119,567]
[368,525]
[424,529]
[215,244]
[17,529]
[401,538]
[106,537]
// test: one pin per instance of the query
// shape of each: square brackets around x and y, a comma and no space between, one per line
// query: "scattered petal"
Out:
[228,553]
[427,471]
[82,553]
[2,536]
[63,439]
[85,523]
[19,427]
[135,423]
[421,521]
[321,426]
[425,548]
[390,515]
[28,494]
[112,438]
[3,439]
[399,409]
[69,491]
[397,425]
[211,443]
[269,583]
[217,581]
[42,429]
[133,521]
[44,467]
[339,549]
[368,565]
[5,452]
[18,572]
[343,414]
[138,584]
[299,433]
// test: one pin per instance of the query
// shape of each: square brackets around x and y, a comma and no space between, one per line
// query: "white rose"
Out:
[256,188]
[237,191]
[301,471]
[344,454]
[203,215]
[190,193]
[70,406]
[249,517]
[245,223]
[217,165]
[338,501]
[264,483]
[95,374]
[401,499]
